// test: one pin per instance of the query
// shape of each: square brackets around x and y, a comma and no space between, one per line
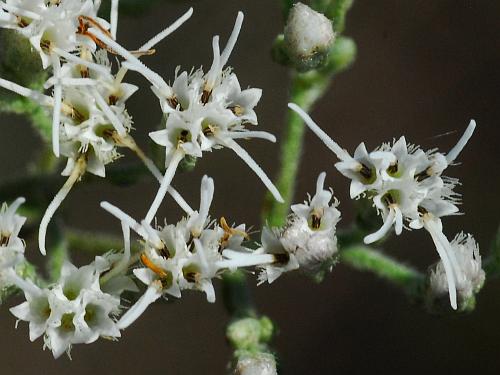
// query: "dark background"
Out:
[424,69]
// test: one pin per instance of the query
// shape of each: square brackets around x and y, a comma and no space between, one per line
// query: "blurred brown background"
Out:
[424,69]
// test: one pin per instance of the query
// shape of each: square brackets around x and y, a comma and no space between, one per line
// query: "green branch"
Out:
[363,258]
[307,89]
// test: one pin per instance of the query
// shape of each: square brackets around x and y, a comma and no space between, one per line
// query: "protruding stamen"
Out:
[443,251]
[151,295]
[389,220]
[115,121]
[36,96]
[330,143]
[169,30]
[165,183]
[241,152]
[78,171]
[455,151]
[237,259]
[124,218]
[133,62]
[56,114]
[114,17]
[251,134]
[232,40]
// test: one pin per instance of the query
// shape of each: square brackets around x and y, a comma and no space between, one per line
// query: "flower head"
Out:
[406,186]
[469,273]
[308,239]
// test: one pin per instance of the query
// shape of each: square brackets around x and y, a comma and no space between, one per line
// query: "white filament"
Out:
[115,121]
[455,151]
[114,17]
[389,220]
[56,114]
[133,62]
[169,30]
[443,252]
[165,183]
[56,202]
[251,134]
[232,40]
[241,152]
[151,295]
[330,143]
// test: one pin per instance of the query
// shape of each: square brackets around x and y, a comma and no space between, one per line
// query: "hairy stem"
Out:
[364,258]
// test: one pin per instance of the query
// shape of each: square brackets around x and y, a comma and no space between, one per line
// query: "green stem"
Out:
[304,93]
[247,333]
[363,258]
[236,294]
[58,253]
[492,262]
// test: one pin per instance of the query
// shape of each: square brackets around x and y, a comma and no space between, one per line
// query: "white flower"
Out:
[11,246]
[284,261]
[73,311]
[469,274]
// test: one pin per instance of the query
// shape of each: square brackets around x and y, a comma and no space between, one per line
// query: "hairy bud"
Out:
[308,37]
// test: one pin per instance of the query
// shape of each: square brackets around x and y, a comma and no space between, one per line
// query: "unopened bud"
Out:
[469,275]
[308,37]
[257,364]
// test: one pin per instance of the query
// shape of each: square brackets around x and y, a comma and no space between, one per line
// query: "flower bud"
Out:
[313,249]
[257,364]
[308,37]
[470,275]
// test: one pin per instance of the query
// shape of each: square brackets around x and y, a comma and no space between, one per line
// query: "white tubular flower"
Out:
[11,246]
[311,230]
[283,260]
[469,273]
[308,36]
[73,311]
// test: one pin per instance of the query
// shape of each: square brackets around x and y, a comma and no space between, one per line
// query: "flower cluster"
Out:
[77,309]
[88,101]
[308,239]
[187,255]
[407,188]
[203,111]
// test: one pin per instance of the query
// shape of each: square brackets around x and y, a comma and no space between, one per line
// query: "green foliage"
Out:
[20,64]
